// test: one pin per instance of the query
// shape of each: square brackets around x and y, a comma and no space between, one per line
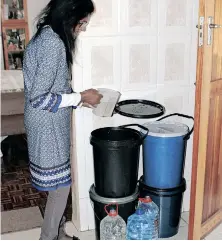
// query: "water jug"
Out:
[139,226]
[112,227]
[152,212]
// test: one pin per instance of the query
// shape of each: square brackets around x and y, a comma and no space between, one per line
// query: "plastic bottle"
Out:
[152,213]
[138,226]
[112,227]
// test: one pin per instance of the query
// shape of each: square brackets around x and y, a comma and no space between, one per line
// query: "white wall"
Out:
[34,8]
[145,49]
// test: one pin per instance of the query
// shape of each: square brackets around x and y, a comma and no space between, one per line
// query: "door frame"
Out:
[197,229]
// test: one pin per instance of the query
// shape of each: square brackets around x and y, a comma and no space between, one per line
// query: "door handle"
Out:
[212,25]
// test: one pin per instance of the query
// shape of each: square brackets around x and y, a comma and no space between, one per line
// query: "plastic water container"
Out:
[139,227]
[164,151]
[152,212]
[112,227]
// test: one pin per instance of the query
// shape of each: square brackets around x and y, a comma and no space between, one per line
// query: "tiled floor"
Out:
[90,235]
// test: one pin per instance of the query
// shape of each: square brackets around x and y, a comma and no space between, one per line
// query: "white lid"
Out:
[166,129]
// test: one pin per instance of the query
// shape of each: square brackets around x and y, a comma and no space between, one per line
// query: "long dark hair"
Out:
[63,16]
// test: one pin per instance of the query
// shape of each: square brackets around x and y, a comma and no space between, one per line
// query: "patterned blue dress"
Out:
[46,77]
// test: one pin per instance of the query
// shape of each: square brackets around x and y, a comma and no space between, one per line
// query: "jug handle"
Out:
[111,204]
[187,136]
[140,126]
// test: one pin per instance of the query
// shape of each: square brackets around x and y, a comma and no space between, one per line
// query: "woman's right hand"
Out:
[91,97]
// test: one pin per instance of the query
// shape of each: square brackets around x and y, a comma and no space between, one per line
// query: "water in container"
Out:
[139,226]
[152,213]
[112,227]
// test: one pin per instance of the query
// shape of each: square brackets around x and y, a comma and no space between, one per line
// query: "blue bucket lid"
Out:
[166,129]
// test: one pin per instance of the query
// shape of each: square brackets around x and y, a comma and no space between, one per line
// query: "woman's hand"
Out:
[90,97]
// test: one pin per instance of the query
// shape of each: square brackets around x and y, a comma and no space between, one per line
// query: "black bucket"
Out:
[126,206]
[169,202]
[116,152]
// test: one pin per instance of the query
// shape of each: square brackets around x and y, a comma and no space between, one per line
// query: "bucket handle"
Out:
[111,204]
[140,126]
[187,136]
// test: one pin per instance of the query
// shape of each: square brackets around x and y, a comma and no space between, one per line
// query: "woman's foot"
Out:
[75,238]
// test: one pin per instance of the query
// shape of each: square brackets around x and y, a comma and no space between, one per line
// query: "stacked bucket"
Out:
[116,152]
[164,151]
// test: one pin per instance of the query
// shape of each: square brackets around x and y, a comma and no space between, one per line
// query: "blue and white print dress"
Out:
[46,77]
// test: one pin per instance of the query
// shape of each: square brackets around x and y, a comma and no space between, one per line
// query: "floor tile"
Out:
[89,235]
[183,223]
[32,234]
[21,220]
[185,216]
[182,234]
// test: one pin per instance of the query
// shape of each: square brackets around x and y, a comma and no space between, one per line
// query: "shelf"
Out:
[10,22]
[15,51]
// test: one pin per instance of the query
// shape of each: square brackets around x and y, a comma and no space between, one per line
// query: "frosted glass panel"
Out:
[102,65]
[139,13]
[176,12]
[103,14]
[174,62]
[139,63]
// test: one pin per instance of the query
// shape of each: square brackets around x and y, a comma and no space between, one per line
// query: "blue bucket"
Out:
[164,152]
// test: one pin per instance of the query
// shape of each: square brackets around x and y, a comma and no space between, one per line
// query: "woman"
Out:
[49,101]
